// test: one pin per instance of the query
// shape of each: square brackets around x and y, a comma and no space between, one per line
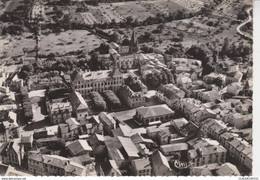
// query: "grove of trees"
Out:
[111,98]
[154,80]
[98,101]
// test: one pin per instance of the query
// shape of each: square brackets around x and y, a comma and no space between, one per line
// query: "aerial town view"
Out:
[126,87]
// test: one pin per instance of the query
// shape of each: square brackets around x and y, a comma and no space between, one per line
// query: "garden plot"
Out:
[171,5]
[155,7]
[133,9]
[88,18]
[192,5]
[99,16]
[111,13]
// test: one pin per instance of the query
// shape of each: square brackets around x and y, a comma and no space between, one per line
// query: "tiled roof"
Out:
[153,111]
[64,128]
[106,119]
[129,147]
[3,169]
[82,159]
[211,150]
[74,75]
[141,164]
[55,160]
[27,139]
[79,146]
[192,153]
[77,101]
[158,160]
[228,169]
[174,147]
[36,156]
[137,138]
[179,122]
[108,165]
[3,147]
[73,124]
[74,168]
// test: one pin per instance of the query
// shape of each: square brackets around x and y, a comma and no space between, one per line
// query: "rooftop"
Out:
[158,159]
[59,106]
[174,147]
[72,123]
[228,169]
[96,75]
[77,101]
[141,164]
[211,150]
[129,147]
[106,119]
[153,111]
[79,146]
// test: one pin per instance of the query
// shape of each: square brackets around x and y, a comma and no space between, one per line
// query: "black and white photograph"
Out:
[126,88]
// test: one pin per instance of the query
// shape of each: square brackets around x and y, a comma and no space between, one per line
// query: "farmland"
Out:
[138,10]
[197,29]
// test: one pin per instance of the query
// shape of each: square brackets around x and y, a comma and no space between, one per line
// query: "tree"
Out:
[225,47]
[98,101]
[217,82]
[115,37]
[200,52]
[94,64]
[111,98]
[125,42]
[24,72]
[129,20]
[146,37]
[180,14]
[159,28]
[177,51]
[153,80]
[103,48]
[146,49]
[65,22]
[12,30]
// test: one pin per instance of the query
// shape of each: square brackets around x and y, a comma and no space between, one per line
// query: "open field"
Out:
[68,41]
[61,43]
[14,45]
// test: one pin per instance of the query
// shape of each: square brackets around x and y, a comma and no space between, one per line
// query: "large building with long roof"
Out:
[99,81]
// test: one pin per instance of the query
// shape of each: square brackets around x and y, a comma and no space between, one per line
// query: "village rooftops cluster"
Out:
[126,112]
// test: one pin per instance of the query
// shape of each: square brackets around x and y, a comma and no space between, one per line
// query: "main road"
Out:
[244,23]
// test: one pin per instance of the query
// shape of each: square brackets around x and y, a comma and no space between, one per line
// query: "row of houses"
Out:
[46,165]
[238,148]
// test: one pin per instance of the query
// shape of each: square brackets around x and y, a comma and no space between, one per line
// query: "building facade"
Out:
[59,111]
